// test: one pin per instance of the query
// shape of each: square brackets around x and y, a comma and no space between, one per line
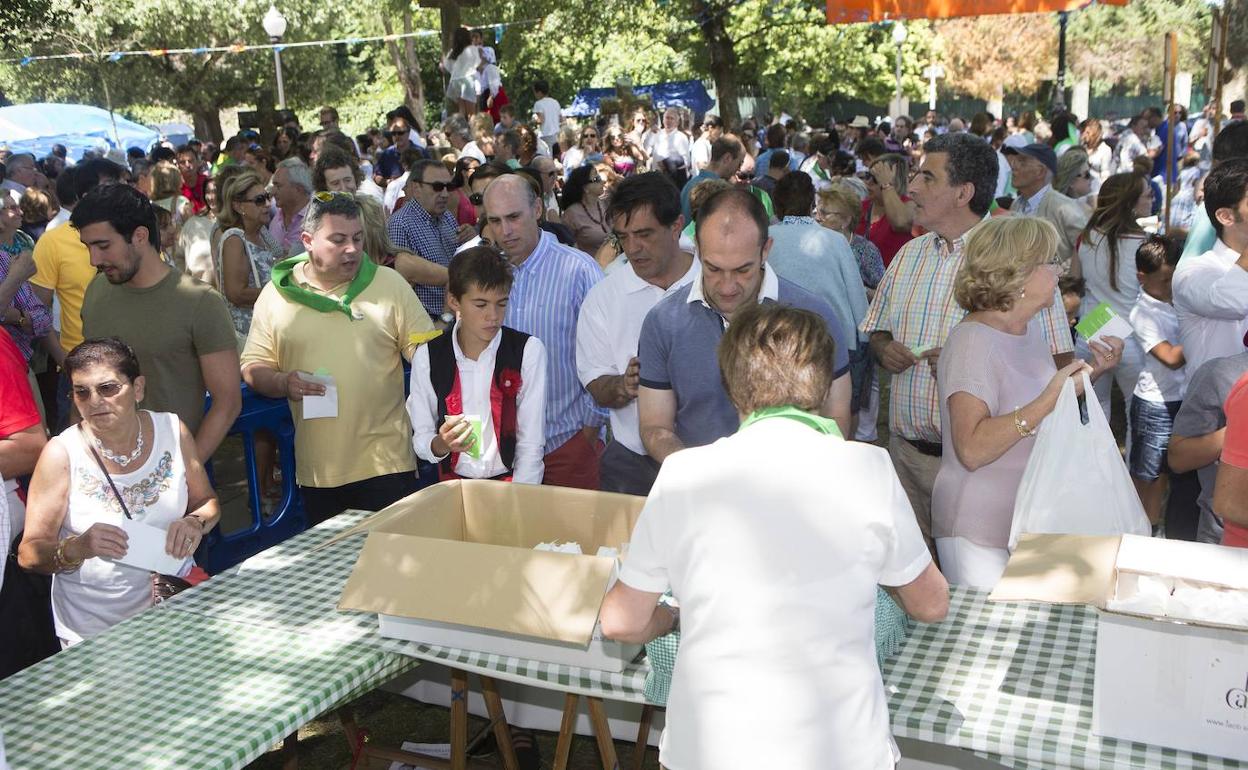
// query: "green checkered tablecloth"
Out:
[1013,683]
[295,587]
[177,690]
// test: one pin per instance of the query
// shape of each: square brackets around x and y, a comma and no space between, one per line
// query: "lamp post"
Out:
[899,37]
[275,26]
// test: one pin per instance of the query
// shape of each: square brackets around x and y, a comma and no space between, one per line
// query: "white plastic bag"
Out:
[1076,481]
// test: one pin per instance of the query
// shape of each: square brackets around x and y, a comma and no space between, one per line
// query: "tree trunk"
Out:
[208,125]
[406,64]
[710,18]
[1236,54]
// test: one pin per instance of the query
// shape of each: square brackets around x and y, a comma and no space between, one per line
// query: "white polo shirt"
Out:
[775,565]
[1211,301]
[607,334]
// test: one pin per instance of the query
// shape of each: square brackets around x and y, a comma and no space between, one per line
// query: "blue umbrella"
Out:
[34,128]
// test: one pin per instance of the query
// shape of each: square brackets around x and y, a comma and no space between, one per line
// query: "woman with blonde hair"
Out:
[248,251]
[997,382]
[838,208]
[887,211]
[1074,177]
[167,192]
[414,268]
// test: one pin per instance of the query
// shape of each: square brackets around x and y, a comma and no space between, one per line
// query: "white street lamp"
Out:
[274,24]
[899,37]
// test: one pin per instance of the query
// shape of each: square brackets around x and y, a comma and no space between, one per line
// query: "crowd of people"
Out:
[624,304]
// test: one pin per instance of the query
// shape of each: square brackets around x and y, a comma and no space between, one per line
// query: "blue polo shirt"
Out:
[677,352]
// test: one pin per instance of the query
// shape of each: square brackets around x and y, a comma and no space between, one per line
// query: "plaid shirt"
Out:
[414,229]
[915,302]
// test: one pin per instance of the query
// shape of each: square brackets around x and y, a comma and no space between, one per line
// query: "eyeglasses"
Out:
[438,186]
[325,196]
[477,199]
[103,390]
[260,200]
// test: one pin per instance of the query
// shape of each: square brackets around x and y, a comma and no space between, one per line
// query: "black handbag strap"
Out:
[107,475]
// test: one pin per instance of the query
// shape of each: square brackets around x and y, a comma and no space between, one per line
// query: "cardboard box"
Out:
[1172,682]
[453,565]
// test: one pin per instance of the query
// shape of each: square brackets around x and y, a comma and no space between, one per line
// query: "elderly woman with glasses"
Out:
[583,210]
[103,488]
[997,382]
[1074,177]
[775,569]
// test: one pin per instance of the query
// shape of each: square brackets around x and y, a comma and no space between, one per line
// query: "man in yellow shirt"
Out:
[329,333]
[63,267]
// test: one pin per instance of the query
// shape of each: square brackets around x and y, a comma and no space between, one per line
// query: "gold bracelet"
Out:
[59,562]
[1021,425]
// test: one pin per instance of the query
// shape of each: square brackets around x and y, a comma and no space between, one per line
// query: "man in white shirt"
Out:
[1137,140]
[669,149]
[645,217]
[775,568]
[1211,291]
[546,110]
[700,153]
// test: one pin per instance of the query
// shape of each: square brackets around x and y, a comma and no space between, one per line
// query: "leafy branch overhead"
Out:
[782,48]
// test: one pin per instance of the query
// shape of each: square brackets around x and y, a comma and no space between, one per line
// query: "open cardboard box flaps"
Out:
[461,552]
[1093,570]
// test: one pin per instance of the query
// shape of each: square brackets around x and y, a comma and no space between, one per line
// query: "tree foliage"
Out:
[1026,55]
[1121,46]
[782,48]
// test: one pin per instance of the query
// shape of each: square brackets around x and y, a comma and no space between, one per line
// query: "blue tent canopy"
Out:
[683,93]
[34,128]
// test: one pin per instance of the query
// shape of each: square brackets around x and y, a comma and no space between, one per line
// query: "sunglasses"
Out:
[438,186]
[477,199]
[325,196]
[593,179]
[260,200]
[103,390]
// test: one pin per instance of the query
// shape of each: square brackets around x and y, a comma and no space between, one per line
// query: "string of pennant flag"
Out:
[237,48]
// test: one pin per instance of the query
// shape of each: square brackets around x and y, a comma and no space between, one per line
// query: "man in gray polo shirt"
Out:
[681,397]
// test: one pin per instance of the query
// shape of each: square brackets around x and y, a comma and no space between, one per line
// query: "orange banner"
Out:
[856,11]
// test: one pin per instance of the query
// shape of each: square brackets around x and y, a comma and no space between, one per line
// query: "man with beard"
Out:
[179,328]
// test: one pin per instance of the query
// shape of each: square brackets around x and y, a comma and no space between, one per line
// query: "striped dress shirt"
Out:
[915,302]
[545,302]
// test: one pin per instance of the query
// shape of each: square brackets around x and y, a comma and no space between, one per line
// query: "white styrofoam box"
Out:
[601,654]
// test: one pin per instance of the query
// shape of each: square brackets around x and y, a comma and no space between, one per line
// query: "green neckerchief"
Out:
[821,424]
[1071,140]
[765,198]
[283,278]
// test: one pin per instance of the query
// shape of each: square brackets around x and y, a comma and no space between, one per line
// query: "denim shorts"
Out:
[1151,424]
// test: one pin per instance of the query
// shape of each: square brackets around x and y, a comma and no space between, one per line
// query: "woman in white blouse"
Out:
[1105,259]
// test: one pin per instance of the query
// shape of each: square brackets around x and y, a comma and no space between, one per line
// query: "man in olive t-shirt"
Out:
[179,328]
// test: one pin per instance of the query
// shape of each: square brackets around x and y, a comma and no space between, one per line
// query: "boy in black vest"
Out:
[479,391]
